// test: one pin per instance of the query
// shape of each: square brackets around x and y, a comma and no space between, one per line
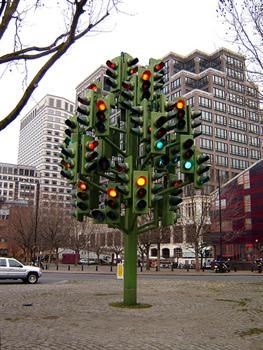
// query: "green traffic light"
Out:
[159,145]
[188,165]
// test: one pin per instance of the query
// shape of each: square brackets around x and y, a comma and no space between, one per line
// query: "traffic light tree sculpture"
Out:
[130,154]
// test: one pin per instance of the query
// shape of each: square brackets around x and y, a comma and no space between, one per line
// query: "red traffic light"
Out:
[83,186]
[92,145]
[159,66]
[176,183]
[111,64]
[93,87]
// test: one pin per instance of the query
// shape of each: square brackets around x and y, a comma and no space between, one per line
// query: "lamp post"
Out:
[36,216]
[220,215]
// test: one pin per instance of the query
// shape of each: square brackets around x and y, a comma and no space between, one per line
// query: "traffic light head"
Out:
[180,109]
[157,69]
[113,73]
[140,192]
[144,84]
[70,151]
[86,107]
[158,133]
[195,123]
[187,154]
[88,155]
[200,168]
[112,204]
[102,116]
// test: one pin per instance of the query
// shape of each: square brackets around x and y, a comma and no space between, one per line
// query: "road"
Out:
[50,277]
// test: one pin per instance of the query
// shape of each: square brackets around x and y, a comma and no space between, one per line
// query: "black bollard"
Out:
[68,267]
[46,267]
[57,267]
[141,268]
[82,266]
[96,267]
[111,268]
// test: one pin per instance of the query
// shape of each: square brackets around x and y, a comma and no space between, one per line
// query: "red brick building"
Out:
[237,215]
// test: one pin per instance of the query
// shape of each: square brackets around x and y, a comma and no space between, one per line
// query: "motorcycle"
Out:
[222,267]
[259,266]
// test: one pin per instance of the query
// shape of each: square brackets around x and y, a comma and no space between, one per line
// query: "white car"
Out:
[11,268]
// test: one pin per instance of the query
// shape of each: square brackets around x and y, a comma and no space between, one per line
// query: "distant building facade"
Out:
[237,215]
[41,133]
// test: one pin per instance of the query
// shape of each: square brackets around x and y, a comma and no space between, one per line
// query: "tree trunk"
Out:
[158,255]
[197,264]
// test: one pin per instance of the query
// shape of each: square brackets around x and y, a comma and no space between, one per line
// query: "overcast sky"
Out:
[153,29]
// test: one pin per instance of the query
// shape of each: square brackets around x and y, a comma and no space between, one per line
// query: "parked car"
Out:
[90,261]
[11,268]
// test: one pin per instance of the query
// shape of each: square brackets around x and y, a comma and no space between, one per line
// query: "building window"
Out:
[221,147]
[205,102]
[205,143]
[253,116]
[239,164]
[239,151]
[221,133]
[207,130]
[220,119]
[237,124]
[222,161]
[175,84]
[207,116]
[232,85]
[237,137]
[218,80]
[254,141]
[220,106]
[236,98]
[255,154]
[240,112]
[219,93]
[254,128]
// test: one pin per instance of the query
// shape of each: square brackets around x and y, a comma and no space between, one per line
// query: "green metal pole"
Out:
[130,263]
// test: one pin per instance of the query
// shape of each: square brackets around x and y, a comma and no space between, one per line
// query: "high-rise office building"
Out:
[217,85]
[41,133]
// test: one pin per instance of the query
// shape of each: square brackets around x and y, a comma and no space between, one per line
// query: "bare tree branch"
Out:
[84,17]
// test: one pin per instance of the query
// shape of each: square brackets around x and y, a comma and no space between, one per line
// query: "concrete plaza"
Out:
[185,315]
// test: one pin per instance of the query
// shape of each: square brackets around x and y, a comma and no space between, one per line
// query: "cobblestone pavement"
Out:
[185,315]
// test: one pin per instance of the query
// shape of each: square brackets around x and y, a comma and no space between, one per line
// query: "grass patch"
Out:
[241,302]
[251,332]
[136,306]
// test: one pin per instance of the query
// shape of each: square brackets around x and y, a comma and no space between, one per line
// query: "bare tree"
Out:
[195,219]
[145,240]
[80,235]
[22,230]
[54,227]
[244,28]
[77,18]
